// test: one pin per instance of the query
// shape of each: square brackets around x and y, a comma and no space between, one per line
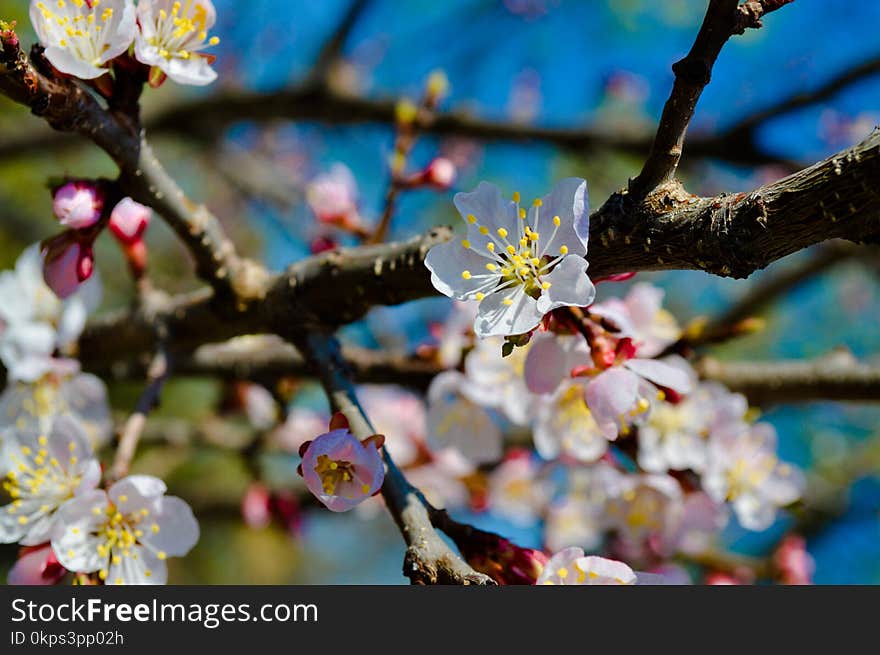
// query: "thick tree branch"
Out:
[838,376]
[731,235]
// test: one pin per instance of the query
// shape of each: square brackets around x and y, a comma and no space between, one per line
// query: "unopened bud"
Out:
[437,87]
[440,173]
[405,112]
[78,204]
[129,220]
[67,263]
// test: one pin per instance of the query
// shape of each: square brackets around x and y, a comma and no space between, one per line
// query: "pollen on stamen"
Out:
[507,302]
[471,219]
[516,196]
[490,247]
[537,202]
[491,267]
[502,232]
[563,250]
[479,296]
[466,275]
[484,230]
[557,221]
[465,244]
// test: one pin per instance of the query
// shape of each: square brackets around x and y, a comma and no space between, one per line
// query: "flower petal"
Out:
[661,374]
[497,318]
[569,285]
[570,202]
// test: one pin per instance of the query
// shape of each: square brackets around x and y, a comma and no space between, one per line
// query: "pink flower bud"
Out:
[322,244]
[78,205]
[129,220]
[36,565]
[501,559]
[66,264]
[440,173]
[795,565]
[255,506]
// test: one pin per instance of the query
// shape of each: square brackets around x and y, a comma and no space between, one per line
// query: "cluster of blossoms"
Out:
[82,38]
[55,509]
[53,419]
[652,458]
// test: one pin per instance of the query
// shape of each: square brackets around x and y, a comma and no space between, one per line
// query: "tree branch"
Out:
[838,376]
[428,559]
[723,19]
[68,107]
[730,235]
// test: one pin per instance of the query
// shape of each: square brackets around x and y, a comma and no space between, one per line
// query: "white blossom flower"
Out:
[125,534]
[81,36]
[518,265]
[564,425]
[497,381]
[34,322]
[640,316]
[644,507]
[517,492]
[574,520]
[30,409]
[172,36]
[456,421]
[744,470]
[699,523]
[42,474]
[675,437]
[571,567]
[579,517]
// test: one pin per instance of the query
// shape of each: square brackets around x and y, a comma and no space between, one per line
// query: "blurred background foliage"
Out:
[602,63]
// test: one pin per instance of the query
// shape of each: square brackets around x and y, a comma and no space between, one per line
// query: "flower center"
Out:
[334,473]
[746,474]
[517,260]
[119,534]
[78,25]
[36,475]
[183,32]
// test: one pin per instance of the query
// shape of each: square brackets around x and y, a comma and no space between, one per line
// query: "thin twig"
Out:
[160,370]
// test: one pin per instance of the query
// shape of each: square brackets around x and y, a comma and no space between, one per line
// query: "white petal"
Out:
[547,363]
[178,528]
[144,487]
[448,261]
[569,285]
[610,395]
[661,374]
[568,200]
[67,62]
[141,567]
[495,318]
[491,211]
